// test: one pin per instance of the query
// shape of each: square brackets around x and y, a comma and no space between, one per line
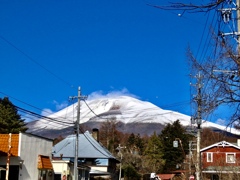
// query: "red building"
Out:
[221,161]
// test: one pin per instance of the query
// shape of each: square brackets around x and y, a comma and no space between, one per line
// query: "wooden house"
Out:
[221,161]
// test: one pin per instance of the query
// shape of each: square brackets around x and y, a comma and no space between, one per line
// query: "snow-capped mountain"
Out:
[128,111]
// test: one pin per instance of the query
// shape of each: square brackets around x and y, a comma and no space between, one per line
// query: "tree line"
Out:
[156,153]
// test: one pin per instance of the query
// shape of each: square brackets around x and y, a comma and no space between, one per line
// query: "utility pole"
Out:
[238,24]
[190,158]
[198,121]
[119,148]
[79,97]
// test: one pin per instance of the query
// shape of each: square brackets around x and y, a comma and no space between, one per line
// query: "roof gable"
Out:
[220,144]
[4,140]
[88,147]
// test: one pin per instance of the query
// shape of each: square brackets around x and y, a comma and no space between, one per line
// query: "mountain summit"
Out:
[135,116]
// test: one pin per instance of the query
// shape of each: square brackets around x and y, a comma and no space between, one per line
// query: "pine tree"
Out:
[153,154]
[10,120]
[140,144]
[174,155]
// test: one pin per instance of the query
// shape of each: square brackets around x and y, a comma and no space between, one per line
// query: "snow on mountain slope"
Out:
[124,108]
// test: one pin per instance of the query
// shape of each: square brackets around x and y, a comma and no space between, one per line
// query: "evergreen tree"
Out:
[135,144]
[10,120]
[174,155]
[140,144]
[131,143]
[130,173]
[153,158]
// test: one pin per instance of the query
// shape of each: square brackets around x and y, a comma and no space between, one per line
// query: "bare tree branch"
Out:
[220,78]
[190,7]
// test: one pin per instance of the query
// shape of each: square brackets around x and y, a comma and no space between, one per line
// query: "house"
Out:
[221,161]
[25,157]
[166,176]
[64,168]
[91,154]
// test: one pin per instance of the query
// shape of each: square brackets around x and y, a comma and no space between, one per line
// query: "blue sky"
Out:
[50,47]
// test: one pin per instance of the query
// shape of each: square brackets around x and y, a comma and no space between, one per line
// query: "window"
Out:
[102,162]
[209,157]
[230,157]
[95,162]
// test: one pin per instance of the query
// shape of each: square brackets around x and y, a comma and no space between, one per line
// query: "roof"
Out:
[2,169]
[222,169]
[88,147]
[44,162]
[95,172]
[4,144]
[166,176]
[220,144]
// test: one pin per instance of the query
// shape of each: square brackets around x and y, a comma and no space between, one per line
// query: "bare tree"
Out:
[221,69]
[220,78]
[190,7]
[109,135]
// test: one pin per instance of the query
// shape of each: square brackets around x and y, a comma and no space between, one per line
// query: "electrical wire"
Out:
[127,117]
[23,102]
[207,42]
[67,123]
[37,63]
[33,114]
[204,30]
[42,117]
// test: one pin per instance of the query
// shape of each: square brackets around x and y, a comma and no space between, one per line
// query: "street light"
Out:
[175,144]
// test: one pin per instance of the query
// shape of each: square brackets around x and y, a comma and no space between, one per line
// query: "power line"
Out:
[42,117]
[23,102]
[101,116]
[31,112]
[37,63]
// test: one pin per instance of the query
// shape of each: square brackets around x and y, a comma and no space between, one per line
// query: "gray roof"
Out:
[88,147]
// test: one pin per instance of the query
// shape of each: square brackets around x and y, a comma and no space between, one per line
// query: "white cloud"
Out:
[46,112]
[114,93]
[60,106]
[28,117]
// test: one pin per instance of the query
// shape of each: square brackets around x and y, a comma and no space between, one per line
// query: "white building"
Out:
[29,157]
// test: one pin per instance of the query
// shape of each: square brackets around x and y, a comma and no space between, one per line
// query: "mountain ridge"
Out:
[129,112]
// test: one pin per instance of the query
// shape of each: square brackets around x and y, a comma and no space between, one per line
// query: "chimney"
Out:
[95,134]
[238,142]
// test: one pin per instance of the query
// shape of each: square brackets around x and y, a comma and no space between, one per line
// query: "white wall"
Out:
[61,167]
[104,168]
[29,149]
